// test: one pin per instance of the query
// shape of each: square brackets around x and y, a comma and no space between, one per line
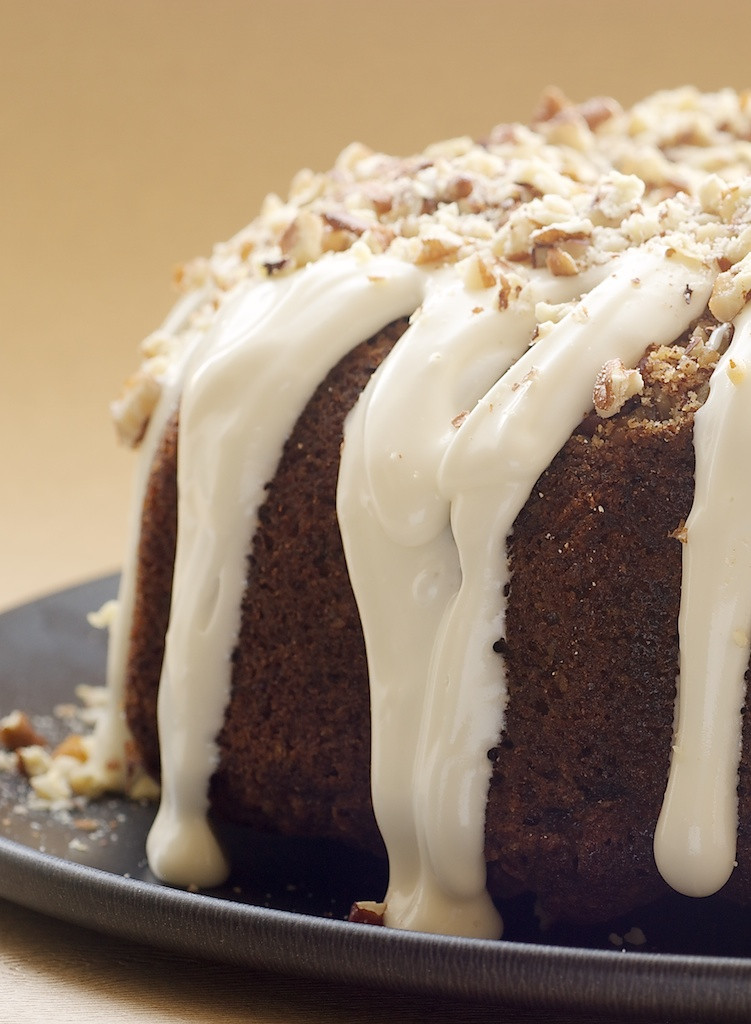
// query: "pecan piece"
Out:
[614,386]
[367,912]
[17,731]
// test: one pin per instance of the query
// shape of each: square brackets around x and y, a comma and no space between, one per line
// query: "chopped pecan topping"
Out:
[614,386]
[560,263]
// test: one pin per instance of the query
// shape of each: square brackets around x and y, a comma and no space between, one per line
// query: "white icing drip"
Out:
[107,761]
[695,838]
[395,529]
[437,690]
[488,473]
[271,346]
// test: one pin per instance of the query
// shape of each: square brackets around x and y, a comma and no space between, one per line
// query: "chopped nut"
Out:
[86,824]
[614,386]
[367,912]
[16,730]
[552,102]
[143,787]
[562,233]
[508,289]
[33,760]
[92,696]
[458,188]
[476,272]
[731,290]
[341,220]
[104,616]
[302,241]
[132,411]
[52,784]
[342,229]
[561,263]
[569,128]
[720,338]
[680,533]
[193,274]
[552,312]
[434,250]
[72,746]
[277,266]
[598,110]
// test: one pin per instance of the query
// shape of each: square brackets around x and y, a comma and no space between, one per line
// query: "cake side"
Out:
[156,559]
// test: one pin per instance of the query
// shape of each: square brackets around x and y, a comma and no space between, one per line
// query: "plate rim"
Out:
[532,976]
[105,902]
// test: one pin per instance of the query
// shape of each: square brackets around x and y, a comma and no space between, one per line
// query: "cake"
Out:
[442,545]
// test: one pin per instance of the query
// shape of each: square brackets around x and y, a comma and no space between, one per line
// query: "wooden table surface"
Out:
[133,136]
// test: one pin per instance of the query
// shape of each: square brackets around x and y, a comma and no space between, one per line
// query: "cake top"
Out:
[579,184]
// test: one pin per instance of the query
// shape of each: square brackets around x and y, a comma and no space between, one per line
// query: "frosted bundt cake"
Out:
[443,489]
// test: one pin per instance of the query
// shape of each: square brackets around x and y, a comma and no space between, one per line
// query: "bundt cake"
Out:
[442,491]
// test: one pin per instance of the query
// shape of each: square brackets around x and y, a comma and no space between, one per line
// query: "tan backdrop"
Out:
[135,133]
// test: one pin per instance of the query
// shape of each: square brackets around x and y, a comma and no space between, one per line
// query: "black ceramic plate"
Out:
[285,910]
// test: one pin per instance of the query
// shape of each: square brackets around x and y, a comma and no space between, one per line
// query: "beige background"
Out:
[135,133]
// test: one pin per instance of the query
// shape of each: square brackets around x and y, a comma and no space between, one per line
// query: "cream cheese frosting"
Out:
[525,264]
[695,838]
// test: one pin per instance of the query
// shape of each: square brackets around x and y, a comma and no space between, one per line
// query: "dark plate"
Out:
[284,911]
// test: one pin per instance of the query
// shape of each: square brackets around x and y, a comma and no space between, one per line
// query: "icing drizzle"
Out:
[695,837]
[240,402]
[437,698]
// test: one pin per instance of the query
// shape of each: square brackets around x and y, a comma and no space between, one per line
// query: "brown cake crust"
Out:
[156,559]
[591,651]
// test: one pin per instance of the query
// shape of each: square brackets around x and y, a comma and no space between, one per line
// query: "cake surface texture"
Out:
[442,541]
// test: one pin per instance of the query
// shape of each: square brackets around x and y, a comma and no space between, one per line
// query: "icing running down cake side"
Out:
[441,492]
